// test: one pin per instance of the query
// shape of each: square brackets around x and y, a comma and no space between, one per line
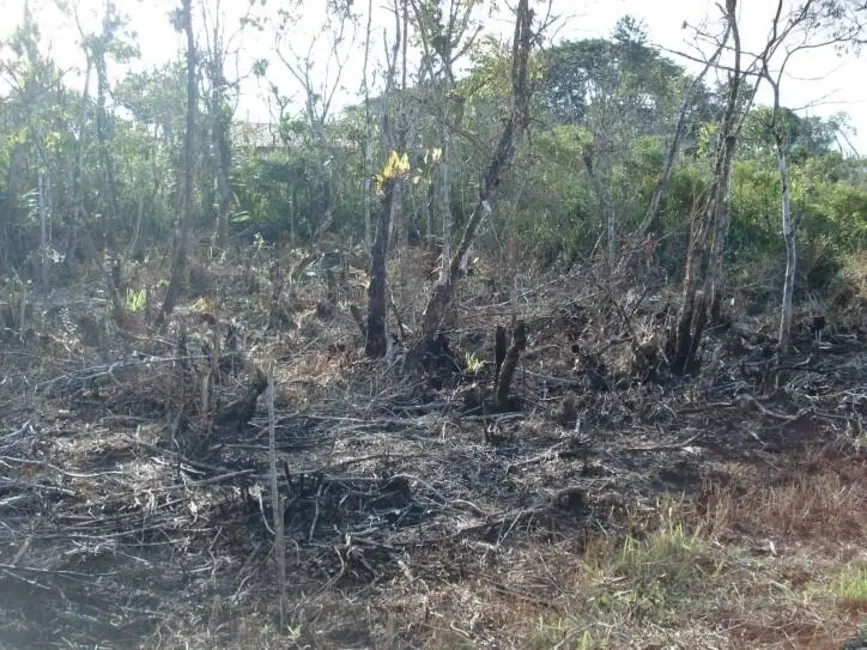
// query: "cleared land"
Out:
[715,512]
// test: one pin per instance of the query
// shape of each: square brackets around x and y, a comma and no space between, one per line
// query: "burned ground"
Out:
[128,520]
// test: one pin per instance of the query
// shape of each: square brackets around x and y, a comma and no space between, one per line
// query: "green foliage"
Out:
[755,209]
[624,71]
[473,364]
[614,100]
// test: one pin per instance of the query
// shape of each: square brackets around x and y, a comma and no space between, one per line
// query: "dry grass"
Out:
[746,565]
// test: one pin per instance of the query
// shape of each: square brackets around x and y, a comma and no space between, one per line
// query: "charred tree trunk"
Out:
[376,344]
[499,352]
[519,342]
[377,330]
[519,117]
[704,260]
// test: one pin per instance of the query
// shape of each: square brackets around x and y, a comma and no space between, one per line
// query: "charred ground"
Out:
[417,514]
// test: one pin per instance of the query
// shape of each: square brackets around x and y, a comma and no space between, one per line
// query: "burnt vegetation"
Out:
[550,398]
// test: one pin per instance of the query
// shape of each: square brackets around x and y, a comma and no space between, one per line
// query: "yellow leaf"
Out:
[436,154]
[396,167]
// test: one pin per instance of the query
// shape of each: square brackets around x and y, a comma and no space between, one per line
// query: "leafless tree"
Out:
[809,26]
[447,30]
[222,99]
[183,19]
[513,131]
[319,84]
[791,31]
[368,127]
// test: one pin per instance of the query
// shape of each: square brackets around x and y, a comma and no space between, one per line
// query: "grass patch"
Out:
[850,589]
[692,578]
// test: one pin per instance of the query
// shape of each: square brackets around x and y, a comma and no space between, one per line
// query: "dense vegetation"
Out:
[100,172]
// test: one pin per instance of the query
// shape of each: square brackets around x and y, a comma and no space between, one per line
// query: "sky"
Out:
[818,82]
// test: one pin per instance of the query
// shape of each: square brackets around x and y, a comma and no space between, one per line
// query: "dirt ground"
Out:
[611,507]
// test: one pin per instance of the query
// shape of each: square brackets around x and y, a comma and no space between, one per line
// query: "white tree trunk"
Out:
[791,254]
[445,193]
[44,220]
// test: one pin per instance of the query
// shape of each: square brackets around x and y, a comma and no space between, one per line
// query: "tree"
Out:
[617,91]
[395,171]
[156,100]
[368,128]
[712,221]
[319,84]
[447,30]
[810,25]
[513,131]
[36,134]
[222,100]
[183,21]
[110,42]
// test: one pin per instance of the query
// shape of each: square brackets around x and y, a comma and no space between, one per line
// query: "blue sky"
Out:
[819,82]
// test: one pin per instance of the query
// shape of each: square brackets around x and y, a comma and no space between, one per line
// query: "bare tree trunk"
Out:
[132,250]
[224,153]
[510,365]
[605,203]
[377,313]
[399,230]
[721,220]
[670,158]
[368,141]
[519,117]
[377,331]
[712,219]
[78,215]
[722,183]
[445,184]
[103,136]
[789,237]
[44,217]
[179,264]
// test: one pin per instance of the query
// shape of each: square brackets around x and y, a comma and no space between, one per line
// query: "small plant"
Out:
[473,364]
[293,632]
[136,300]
